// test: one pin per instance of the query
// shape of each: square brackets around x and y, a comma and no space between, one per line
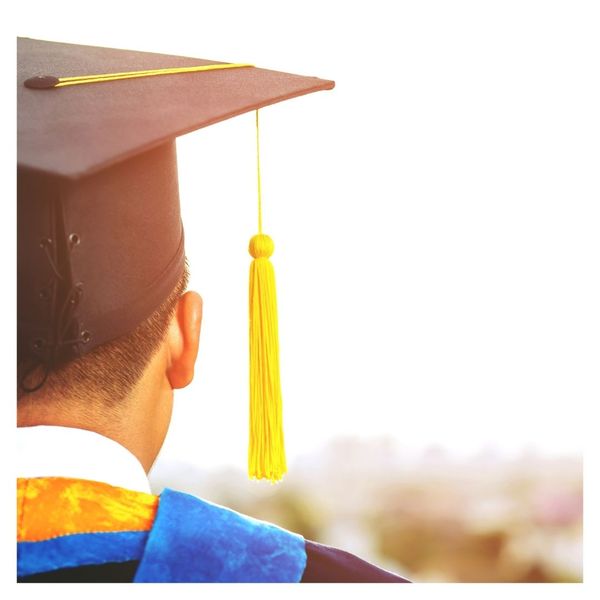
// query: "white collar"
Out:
[51,451]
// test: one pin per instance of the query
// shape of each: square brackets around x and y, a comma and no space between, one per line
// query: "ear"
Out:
[183,339]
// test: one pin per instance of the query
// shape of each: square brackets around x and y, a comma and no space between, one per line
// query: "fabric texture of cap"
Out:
[74,131]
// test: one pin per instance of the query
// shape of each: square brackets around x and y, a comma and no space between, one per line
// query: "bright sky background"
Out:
[434,218]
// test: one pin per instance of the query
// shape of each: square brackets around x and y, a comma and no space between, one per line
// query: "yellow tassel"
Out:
[266,452]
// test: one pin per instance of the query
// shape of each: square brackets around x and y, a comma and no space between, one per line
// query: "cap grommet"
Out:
[86,336]
[74,239]
[76,294]
[45,242]
[38,343]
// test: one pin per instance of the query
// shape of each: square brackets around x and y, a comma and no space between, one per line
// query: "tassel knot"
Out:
[261,246]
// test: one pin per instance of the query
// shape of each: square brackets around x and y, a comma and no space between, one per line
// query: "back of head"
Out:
[109,373]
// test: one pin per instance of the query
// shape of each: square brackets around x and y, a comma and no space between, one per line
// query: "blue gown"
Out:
[78,530]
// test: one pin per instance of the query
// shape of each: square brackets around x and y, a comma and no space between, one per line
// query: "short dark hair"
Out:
[111,371]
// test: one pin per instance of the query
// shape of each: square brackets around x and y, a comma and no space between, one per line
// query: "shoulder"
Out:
[76,530]
[218,544]
[222,545]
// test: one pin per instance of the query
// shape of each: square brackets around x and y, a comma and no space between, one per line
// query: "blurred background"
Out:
[436,260]
[431,517]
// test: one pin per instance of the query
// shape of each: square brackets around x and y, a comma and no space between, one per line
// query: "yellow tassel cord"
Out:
[56,82]
[266,452]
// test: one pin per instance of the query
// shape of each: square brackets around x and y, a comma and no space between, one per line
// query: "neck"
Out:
[139,422]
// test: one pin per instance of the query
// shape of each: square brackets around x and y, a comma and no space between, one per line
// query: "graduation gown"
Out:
[86,531]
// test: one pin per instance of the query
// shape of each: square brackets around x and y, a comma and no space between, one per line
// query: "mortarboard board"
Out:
[100,240]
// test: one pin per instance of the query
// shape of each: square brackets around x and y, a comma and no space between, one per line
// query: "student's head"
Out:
[105,330]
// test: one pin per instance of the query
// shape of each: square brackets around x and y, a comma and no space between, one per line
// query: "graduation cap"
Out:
[100,239]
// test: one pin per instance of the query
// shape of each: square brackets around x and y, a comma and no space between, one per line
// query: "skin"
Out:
[142,420]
